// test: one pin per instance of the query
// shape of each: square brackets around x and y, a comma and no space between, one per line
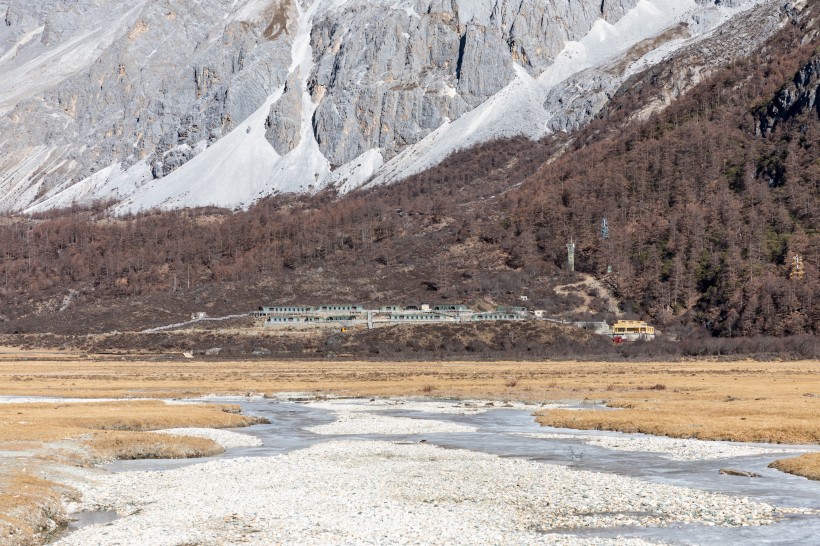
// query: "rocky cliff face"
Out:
[801,95]
[198,102]
[165,79]
[392,82]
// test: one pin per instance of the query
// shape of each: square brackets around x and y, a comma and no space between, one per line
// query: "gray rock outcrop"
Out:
[151,78]
[90,85]
[800,95]
[118,83]
[284,123]
[390,82]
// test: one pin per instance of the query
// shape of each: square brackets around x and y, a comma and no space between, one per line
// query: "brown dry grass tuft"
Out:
[511,382]
[107,446]
[48,422]
[807,465]
[30,508]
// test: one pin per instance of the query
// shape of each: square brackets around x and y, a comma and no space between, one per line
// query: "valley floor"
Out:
[361,461]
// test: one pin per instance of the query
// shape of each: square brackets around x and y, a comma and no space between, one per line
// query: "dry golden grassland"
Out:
[54,421]
[744,401]
[109,446]
[29,507]
[807,465]
[42,438]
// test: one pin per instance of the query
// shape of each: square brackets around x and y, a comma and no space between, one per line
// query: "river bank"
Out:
[463,473]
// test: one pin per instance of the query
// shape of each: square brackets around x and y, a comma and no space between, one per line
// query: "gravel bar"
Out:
[356,417]
[677,449]
[376,492]
[225,438]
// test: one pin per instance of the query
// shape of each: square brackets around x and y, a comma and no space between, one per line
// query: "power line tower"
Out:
[798,270]
[571,255]
[605,237]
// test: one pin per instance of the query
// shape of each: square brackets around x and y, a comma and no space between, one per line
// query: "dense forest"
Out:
[707,203]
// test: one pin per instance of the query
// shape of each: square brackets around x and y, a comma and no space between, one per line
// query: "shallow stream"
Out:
[503,431]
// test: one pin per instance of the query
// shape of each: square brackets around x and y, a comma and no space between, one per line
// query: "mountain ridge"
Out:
[274,85]
[705,216]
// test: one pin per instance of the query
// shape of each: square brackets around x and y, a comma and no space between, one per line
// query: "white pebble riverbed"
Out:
[677,449]
[355,422]
[225,438]
[357,417]
[374,492]
[371,491]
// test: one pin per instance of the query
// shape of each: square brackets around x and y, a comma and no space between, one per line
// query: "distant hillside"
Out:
[147,104]
[707,202]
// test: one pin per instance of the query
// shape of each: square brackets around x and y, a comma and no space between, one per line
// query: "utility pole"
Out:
[798,270]
[605,237]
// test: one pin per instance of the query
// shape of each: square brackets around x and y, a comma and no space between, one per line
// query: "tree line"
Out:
[705,217]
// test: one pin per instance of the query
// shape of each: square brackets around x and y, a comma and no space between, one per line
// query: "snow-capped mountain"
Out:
[180,103]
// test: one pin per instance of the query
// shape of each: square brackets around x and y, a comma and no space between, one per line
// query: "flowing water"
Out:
[504,431]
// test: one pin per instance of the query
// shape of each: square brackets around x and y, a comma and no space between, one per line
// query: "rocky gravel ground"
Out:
[461,407]
[346,491]
[356,419]
[370,492]
[358,416]
[225,438]
[673,448]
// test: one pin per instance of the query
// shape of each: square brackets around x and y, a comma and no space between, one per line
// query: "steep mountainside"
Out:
[707,202]
[221,102]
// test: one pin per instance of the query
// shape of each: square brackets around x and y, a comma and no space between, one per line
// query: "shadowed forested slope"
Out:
[707,204]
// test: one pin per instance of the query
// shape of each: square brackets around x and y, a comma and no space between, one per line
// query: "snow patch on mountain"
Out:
[58,63]
[238,169]
[109,184]
[232,173]
[520,109]
[243,167]
[356,173]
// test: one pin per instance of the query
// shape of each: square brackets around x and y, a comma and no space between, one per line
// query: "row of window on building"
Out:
[323,309]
